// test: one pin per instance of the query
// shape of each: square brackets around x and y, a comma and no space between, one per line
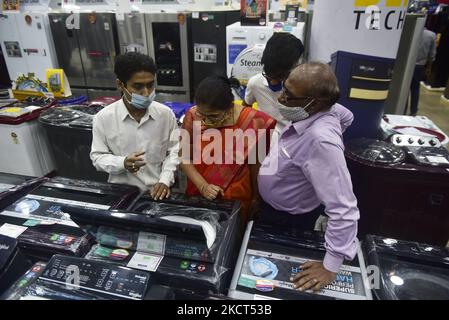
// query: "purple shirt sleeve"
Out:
[326,169]
[344,115]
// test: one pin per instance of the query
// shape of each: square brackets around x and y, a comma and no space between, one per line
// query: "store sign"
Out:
[371,27]
[369,15]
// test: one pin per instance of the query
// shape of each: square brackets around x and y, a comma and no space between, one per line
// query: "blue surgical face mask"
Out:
[275,88]
[140,102]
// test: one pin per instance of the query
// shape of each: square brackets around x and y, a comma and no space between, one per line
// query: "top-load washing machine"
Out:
[402,187]
[13,187]
[43,228]
[407,270]
[191,249]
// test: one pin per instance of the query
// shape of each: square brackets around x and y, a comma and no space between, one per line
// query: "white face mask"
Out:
[295,114]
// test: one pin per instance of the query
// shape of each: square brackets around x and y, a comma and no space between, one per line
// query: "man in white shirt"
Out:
[136,139]
[282,52]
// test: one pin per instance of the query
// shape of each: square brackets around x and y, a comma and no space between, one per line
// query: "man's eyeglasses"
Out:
[288,96]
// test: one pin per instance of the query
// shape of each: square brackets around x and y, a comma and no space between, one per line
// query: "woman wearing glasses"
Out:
[222,145]
[305,174]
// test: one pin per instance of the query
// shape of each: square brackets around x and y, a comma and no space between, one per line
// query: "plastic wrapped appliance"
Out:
[73,100]
[400,193]
[12,262]
[13,187]
[24,144]
[408,270]
[96,281]
[46,229]
[268,258]
[197,246]
[19,287]
[72,123]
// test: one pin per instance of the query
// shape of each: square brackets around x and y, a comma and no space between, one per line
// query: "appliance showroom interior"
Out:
[98,190]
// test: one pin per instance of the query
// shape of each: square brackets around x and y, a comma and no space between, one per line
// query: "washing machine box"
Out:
[268,260]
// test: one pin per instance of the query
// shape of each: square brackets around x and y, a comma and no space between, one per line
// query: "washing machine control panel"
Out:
[425,151]
[406,140]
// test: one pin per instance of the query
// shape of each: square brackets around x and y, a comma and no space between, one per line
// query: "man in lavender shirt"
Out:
[305,174]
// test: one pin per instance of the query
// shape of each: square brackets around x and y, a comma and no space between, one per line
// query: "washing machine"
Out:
[402,187]
[13,262]
[96,281]
[407,270]
[239,38]
[43,228]
[73,123]
[193,249]
[13,187]
[24,144]
[268,259]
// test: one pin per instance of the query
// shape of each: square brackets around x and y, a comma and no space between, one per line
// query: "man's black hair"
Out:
[282,52]
[126,65]
[215,92]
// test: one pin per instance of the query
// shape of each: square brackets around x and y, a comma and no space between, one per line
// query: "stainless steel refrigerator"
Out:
[132,35]
[87,53]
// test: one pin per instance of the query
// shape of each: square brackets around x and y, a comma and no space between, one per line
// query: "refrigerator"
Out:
[209,43]
[132,35]
[87,54]
[27,44]
[168,43]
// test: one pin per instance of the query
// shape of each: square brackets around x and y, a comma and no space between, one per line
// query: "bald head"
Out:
[317,80]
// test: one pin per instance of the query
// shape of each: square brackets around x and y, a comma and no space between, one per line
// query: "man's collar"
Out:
[123,112]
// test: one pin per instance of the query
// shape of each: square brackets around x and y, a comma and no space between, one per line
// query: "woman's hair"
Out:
[216,92]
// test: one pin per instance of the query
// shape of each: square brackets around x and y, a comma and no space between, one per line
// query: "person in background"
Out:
[136,139]
[282,52]
[305,173]
[216,116]
[426,55]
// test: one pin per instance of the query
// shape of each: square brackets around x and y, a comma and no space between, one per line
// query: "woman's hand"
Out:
[211,191]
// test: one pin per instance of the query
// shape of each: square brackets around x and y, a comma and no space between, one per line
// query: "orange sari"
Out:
[234,178]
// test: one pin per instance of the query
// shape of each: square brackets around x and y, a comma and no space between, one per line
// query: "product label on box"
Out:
[145,261]
[11,230]
[151,243]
